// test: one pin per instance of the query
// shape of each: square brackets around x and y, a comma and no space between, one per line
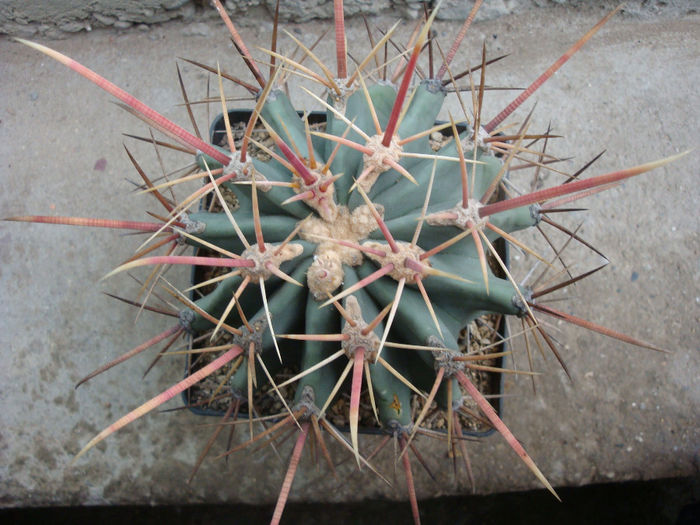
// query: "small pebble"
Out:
[100,164]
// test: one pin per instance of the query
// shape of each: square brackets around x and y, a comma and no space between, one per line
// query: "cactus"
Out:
[357,250]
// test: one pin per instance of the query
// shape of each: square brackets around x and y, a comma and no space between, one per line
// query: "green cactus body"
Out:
[456,301]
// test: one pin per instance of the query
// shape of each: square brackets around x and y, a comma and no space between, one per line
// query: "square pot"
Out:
[489,383]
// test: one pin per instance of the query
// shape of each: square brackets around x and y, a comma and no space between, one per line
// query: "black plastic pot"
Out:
[217,135]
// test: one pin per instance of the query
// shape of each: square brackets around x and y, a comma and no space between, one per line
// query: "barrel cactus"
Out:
[353,248]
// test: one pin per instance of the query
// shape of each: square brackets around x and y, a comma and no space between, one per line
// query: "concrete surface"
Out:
[58,18]
[629,414]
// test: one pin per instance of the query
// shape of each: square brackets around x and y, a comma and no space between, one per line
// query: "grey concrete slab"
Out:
[629,413]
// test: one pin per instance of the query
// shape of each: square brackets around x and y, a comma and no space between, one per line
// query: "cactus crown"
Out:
[358,248]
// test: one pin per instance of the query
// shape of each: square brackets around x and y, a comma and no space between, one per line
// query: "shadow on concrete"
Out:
[674,501]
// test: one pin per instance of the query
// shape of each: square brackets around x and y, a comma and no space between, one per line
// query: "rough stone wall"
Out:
[58,17]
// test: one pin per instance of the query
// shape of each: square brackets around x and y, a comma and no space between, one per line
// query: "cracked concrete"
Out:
[628,414]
